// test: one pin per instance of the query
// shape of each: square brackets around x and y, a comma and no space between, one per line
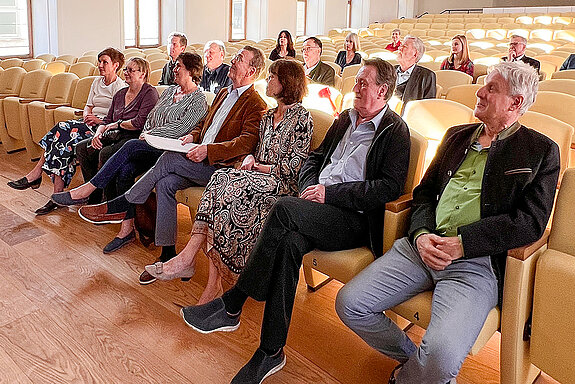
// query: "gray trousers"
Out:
[463,295]
[172,172]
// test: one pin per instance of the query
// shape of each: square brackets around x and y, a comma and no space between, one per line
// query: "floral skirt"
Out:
[60,148]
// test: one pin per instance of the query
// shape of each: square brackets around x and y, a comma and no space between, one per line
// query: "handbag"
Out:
[111,136]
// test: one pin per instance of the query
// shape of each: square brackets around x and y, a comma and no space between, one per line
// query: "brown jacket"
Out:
[238,135]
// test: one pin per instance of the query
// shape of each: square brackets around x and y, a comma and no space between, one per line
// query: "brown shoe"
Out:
[98,214]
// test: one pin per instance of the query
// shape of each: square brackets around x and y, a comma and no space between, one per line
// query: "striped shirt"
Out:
[176,119]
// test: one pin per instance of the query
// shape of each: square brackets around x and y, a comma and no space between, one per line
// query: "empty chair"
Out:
[156,56]
[33,64]
[34,87]
[464,94]
[155,76]
[558,85]
[92,59]
[34,117]
[449,78]
[55,67]
[70,59]
[90,53]
[77,104]
[157,64]
[350,71]
[47,57]
[568,74]
[10,84]
[82,69]
[557,60]
[12,62]
[323,98]
[149,51]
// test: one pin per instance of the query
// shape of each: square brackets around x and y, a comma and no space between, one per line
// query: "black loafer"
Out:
[47,208]
[118,243]
[64,198]
[23,183]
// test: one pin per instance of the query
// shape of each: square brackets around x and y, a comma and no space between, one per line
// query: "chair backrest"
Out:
[11,80]
[558,85]
[47,57]
[464,94]
[70,59]
[12,62]
[350,71]
[556,130]
[432,117]
[567,74]
[156,56]
[561,236]
[61,88]
[558,105]
[260,87]
[321,123]
[155,76]
[33,64]
[35,84]
[81,92]
[88,59]
[157,64]
[82,69]
[450,78]
[210,96]
[557,60]
[416,160]
[481,79]
[317,98]
[55,67]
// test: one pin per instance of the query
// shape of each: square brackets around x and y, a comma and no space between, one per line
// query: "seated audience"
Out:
[125,120]
[225,137]
[180,108]
[414,82]
[569,63]
[489,188]
[215,76]
[458,59]
[517,46]
[177,44]
[284,47]
[344,185]
[349,55]
[395,40]
[315,69]
[59,144]
[236,203]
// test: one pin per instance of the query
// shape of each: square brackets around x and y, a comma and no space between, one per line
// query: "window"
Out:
[141,23]
[15,28]
[238,19]
[301,17]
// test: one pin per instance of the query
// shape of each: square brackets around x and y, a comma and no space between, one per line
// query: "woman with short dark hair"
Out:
[236,202]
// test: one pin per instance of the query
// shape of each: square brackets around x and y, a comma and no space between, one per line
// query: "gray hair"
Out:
[183,38]
[523,39]
[397,30]
[417,44]
[521,78]
[219,43]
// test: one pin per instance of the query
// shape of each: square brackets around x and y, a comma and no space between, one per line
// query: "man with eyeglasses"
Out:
[177,44]
[517,46]
[228,133]
[215,76]
[315,69]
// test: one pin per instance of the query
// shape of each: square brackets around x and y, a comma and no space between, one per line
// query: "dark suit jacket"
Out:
[421,85]
[569,63]
[323,74]
[517,192]
[239,133]
[385,173]
[529,60]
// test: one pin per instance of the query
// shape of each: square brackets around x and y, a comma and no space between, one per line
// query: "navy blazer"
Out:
[569,63]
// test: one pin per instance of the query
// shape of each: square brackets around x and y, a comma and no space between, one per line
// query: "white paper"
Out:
[167,144]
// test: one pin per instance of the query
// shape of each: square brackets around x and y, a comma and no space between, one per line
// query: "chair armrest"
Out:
[8,95]
[523,253]
[54,106]
[402,203]
[28,101]
[79,113]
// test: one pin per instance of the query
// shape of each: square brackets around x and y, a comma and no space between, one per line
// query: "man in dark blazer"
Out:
[344,185]
[177,45]
[414,82]
[569,63]
[489,188]
[517,46]
[315,69]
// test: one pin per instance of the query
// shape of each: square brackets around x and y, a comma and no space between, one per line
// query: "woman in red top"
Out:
[459,58]
[395,40]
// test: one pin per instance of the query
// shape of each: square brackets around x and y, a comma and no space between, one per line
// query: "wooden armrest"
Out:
[28,101]
[523,253]
[400,204]
[54,106]
[78,113]
[8,95]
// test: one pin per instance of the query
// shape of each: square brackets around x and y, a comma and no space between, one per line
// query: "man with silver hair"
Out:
[177,43]
[215,76]
[414,82]
[517,46]
[490,188]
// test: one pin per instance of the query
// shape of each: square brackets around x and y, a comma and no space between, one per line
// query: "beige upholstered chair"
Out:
[92,59]
[449,78]
[156,56]
[77,104]
[82,69]
[350,71]
[210,96]
[12,62]
[464,94]
[33,64]
[317,98]
[157,64]
[34,87]
[58,66]
[558,85]
[36,117]
[11,81]
[70,59]
[568,74]
[155,76]
[552,335]
[47,57]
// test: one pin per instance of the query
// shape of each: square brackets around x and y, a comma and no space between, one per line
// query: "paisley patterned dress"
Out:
[235,203]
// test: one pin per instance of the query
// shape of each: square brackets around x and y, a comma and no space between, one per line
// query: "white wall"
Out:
[206,20]
[282,14]
[335,15]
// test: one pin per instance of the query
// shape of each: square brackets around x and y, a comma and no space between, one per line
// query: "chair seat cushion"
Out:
[340,265]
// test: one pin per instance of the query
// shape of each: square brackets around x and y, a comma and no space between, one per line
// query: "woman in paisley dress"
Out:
[59,144]
[236,202]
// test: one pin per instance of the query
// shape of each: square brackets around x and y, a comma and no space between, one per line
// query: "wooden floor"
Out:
[70,314]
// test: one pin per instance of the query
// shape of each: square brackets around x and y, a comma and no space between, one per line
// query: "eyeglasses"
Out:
[237,58]
[307,49]
[130,70]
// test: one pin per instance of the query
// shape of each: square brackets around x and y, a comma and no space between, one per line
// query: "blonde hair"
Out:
[354,39]
[464,51]
[143,66]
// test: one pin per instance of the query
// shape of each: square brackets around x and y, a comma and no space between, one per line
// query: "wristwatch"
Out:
[120,122]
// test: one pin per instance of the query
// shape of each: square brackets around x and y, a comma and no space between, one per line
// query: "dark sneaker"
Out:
[259,367]
[210,317]
[118,242]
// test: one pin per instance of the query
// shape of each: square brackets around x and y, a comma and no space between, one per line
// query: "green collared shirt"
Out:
[460,202]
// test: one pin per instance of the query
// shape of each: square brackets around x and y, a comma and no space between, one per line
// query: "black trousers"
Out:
[293,228]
